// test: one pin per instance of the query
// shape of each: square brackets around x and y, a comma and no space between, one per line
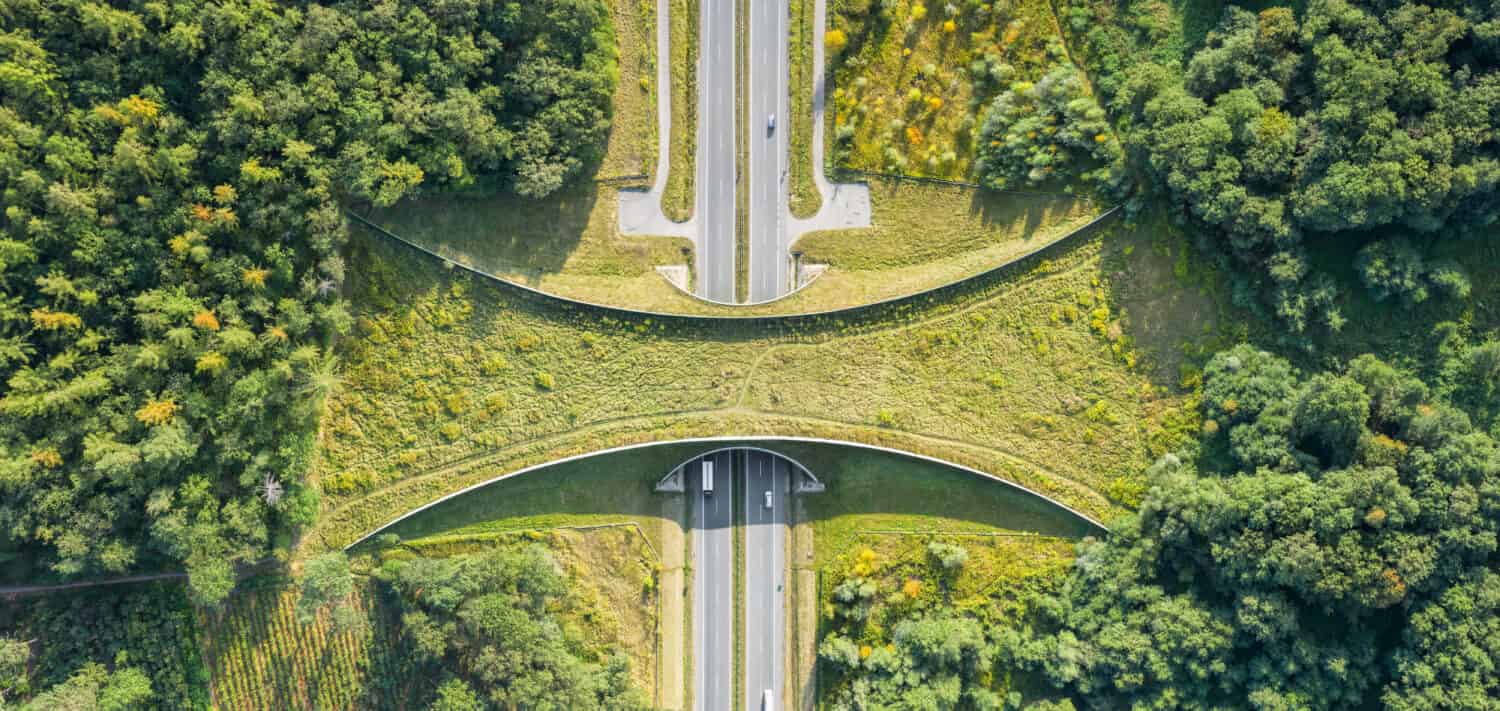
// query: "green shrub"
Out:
[1047,133]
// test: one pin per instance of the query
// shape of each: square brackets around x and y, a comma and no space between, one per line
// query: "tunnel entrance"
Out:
[677,480]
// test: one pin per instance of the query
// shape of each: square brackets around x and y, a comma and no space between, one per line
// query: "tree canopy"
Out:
[95,688]
[1356,120]
[938,661]
[1333,544]
[489,621]
[173,174]
[1049,132]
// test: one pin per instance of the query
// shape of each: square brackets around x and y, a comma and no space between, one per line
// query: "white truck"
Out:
[767,702]
[708,476]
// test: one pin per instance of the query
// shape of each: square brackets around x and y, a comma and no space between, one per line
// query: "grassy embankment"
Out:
[878,516]
[870,495]
[872,491]
[631,147]
[742,134]
[924,236]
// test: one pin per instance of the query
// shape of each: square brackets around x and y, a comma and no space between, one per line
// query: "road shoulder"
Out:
[673,641]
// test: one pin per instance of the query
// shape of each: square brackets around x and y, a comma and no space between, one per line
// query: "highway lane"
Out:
[716,160]
[713,585]
[765,577]
[769,81]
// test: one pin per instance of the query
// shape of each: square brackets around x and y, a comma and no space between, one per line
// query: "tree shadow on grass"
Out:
[1032,211]
[1178,311]
[917,222]
[500,233]
[1171,308]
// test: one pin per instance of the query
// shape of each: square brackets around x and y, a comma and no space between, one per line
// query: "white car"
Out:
[768,499]
[767,702]
[771,122]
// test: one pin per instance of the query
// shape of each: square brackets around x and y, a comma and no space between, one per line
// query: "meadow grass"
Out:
[1065,379]
[630,149]
[903,82]
[533,242]
[938,233]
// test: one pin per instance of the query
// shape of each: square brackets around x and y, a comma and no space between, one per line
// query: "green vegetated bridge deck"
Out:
[1060,374]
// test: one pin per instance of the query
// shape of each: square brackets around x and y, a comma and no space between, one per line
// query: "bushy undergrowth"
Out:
[912,80]
[149,627]
[1051,132]
[913,621]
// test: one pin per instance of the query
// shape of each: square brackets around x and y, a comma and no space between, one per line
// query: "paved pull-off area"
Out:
[772,229]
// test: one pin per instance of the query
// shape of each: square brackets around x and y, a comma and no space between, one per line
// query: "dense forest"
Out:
[1331,544]
[1331,540]
[173,174]
[125,648]
[1296,142]
[487,623]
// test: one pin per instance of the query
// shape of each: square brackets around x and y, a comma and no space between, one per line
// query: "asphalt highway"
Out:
[765,577]
[713,585]
[770,263]
[716,169]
